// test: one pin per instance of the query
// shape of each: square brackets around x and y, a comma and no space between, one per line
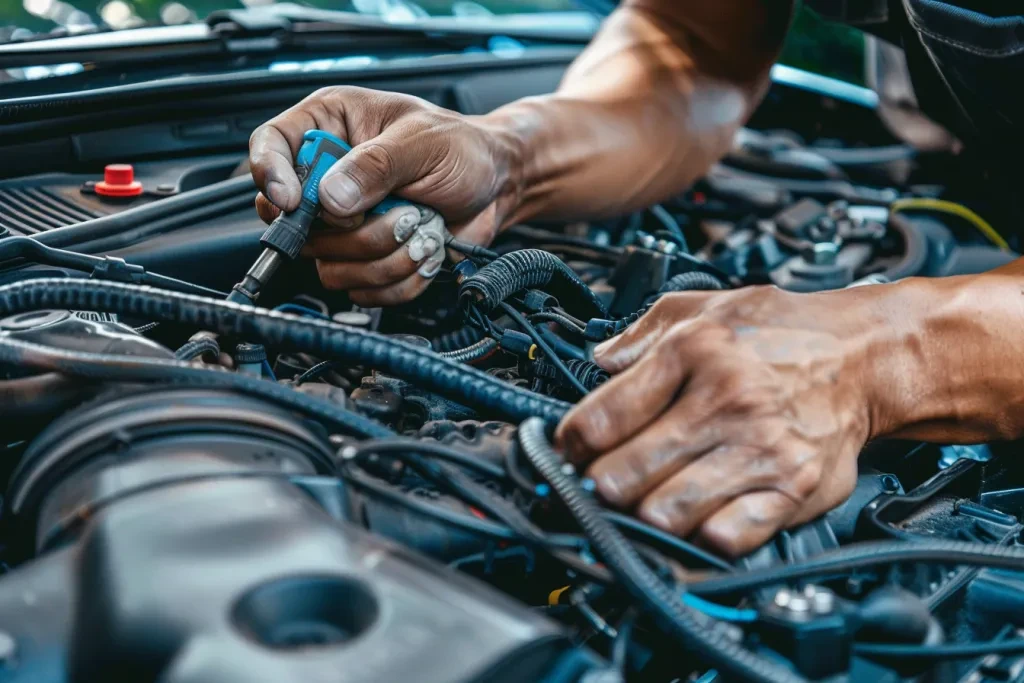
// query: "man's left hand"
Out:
[733,415]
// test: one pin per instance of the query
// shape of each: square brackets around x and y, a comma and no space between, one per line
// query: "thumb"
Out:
[365,176]
[621,351]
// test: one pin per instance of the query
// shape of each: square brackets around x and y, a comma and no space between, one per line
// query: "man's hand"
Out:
[456,165]
[732,415]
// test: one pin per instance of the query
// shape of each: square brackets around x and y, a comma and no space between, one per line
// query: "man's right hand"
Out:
[460,166]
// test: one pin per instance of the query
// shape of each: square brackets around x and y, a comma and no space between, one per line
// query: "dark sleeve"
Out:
[856,12]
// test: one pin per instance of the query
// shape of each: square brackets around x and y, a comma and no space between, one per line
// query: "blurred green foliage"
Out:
[824,47]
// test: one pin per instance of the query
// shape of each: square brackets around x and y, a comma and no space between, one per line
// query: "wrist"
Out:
[512,131]
[939,366]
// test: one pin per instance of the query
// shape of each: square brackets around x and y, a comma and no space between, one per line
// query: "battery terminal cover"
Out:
[118,181]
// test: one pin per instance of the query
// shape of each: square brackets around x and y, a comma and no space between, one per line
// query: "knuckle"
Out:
[378,275]
[256,136]
[659,513]
[328,92]
[376,161]
[724,537]
[579,435]
[663,306]
[329,274]
[806,480]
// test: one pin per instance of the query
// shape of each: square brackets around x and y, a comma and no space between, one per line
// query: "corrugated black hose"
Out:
[288,332]
[870,554]
[525,269]
[122,368]
[654,595]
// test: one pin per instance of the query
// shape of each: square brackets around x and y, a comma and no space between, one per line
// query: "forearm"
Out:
[953,371]
[646,109]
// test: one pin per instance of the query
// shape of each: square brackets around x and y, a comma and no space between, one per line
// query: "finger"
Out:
[273,146]
[622,406]
[421,254]
[618,353]
[271,158]
[365,176]
[747,522]
[837,482]
[399,293]
[328,221]
[265,209]
[639,465]
[683,501]
[375,239]
[481,229]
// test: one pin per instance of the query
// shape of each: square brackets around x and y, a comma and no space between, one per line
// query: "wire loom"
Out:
[446,377]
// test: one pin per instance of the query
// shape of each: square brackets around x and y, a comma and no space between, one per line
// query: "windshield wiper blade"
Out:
[285,26]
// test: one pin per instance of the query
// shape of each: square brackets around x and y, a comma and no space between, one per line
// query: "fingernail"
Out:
[609,488]
[406,225]
[421,247]
[342,191]
[603,348]
[657,516]
[277,193]
[432,266]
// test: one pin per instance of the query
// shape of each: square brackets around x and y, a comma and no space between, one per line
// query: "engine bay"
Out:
[310,490]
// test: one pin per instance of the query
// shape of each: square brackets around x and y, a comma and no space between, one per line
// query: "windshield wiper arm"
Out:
[287,26]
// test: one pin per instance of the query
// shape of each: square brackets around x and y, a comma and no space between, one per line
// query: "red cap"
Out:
[119,181]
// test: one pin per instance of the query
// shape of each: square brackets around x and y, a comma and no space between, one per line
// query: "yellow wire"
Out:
[556,594]
[954,209]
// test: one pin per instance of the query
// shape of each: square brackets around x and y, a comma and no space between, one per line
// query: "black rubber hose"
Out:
[98,366]
[30,249]
[662,601]
[862,555]
[175,208]
[197,347]
[903,653]
[321,338]
[473,352]
[529,269]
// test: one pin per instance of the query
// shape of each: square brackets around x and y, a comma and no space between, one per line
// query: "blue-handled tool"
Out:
[287,234]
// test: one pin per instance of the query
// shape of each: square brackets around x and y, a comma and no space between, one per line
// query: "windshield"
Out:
[24,18]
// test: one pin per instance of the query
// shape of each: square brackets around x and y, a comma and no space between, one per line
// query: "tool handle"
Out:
[319,151]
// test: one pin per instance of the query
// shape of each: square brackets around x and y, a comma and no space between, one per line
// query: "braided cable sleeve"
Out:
[474,352]
[108,367]
[322,338]
[457,339]
[639,580]
[525,269]
[870,554]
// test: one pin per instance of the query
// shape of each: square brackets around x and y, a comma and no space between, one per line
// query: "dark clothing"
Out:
[966,60]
